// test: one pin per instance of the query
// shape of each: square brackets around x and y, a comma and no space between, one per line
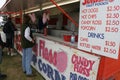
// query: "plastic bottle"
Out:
[72,38]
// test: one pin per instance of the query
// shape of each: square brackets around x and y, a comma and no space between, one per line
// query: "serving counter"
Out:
[56,59]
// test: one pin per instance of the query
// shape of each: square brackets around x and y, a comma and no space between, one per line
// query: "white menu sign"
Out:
[99,26]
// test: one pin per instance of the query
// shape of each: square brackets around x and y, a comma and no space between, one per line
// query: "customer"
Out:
[2,76]
[9,29]
[27,42]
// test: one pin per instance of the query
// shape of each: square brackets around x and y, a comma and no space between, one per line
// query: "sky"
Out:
[2,2]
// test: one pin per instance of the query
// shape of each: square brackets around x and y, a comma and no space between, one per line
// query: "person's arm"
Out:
[44,18]
[27,35]
[33,17]
[48,17]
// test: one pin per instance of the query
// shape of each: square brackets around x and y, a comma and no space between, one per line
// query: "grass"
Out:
[11,65]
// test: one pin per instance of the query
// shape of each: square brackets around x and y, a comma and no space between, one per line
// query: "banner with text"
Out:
[59,62]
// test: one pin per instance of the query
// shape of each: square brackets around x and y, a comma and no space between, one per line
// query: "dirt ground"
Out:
[11,65]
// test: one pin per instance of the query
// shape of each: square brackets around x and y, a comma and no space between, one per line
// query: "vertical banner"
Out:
[99,26]
[17,42]
[59,62]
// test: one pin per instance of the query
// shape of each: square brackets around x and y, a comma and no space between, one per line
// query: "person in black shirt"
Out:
[43,20]
[9,29]
[27,42]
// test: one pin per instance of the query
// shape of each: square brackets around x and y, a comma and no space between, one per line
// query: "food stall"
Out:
[96,54]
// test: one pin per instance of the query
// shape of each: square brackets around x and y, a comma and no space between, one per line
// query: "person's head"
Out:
[26,19]
[47,11]
[9,18]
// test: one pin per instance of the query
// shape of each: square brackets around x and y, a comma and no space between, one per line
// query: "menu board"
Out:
[99,25]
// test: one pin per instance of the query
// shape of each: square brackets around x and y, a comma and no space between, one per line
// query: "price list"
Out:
[99,26]
[112,26]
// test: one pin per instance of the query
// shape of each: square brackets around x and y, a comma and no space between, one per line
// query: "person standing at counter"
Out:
[27,42]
